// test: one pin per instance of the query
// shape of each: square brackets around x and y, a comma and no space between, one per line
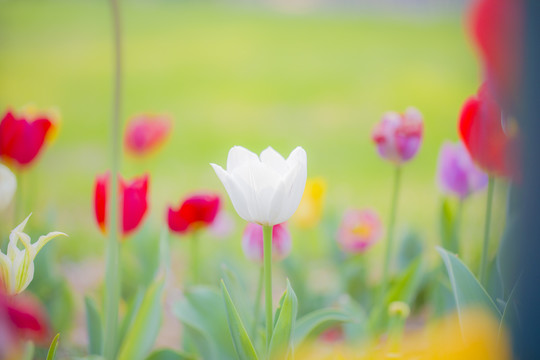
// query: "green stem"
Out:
[112,280]
[390,242]
[455,231]
[195,258]
[485,246]
[267,231]
[257,310]
[18,209]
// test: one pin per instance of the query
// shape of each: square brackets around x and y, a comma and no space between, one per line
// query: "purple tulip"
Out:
[456,173]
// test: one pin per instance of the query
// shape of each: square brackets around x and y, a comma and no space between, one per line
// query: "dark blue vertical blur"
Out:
[526,327]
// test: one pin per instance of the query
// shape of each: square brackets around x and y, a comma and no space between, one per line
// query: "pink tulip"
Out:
[398,136]
[359,230]
[144,134]
[252,242]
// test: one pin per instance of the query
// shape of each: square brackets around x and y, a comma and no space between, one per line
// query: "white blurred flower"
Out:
[8,186]
[265,191]
[17,267]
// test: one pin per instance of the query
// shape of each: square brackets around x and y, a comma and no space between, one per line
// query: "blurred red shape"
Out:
[133,201]
[22,137]
[496,27]
[482,132]
[195,212]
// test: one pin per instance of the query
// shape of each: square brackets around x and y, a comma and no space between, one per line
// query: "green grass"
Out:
[234,76]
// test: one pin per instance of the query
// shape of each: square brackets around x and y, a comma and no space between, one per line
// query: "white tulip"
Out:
[266,191]
[8,186]
[17,267]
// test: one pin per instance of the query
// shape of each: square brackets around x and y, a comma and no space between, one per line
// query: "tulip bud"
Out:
[8,186]
[359,230]
[265,190]
[456,173]
[398,136]
[252,242]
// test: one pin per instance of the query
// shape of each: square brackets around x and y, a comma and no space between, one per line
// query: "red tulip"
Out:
[133,202]
[195,212]
[21,319]
[496,27]
[144,134]
[482,133]
[22,137]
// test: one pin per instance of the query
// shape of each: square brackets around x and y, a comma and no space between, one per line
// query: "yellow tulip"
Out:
[310,210]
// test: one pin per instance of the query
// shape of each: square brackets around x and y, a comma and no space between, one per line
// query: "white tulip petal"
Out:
[28,278]
[257,175]
[5,269]
[241,200]
[236,193]
[8,186]
[13,250]
[239,156]
[263,180]
[297,183]
[274,159]
[43,240]
[298,155]
[265,191]
[276,204]
[17,267]
[243,178]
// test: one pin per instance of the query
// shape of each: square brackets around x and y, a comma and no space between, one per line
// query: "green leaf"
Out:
[467,290]
[316,322]
[52,349]
[404,288]
[242,343]
[169,354]
[129,317]
[237,291]
[94,327]
[280,344]
[142,334]
[204,319]
[406,285]
[509,310]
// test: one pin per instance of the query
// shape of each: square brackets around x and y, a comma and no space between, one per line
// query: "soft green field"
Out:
[233,75]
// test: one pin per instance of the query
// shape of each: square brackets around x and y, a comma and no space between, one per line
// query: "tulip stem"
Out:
[390,242]
[267,239]
[18,210]
[195,258]
[454,243]
[485,246]
[112,280]
[257,310]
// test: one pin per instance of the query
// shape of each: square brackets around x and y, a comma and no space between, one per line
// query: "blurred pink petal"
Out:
[359,230]
[252,242]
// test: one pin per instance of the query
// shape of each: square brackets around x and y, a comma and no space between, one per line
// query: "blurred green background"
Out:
[235,74]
